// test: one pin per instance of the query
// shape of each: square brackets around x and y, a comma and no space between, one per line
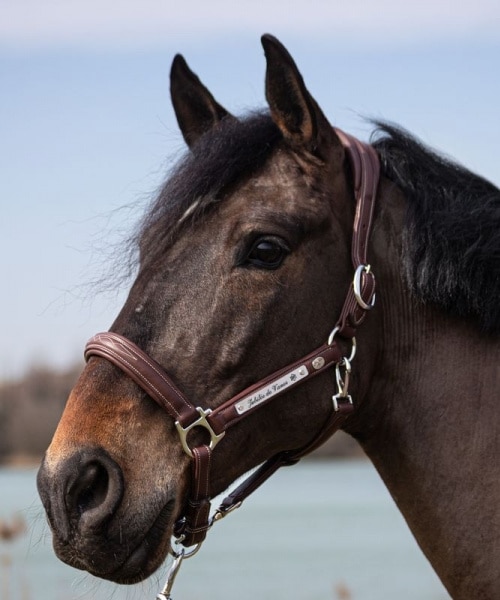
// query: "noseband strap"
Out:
[153,379]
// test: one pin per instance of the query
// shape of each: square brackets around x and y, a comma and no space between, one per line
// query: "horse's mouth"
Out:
[144,557]
[149,553]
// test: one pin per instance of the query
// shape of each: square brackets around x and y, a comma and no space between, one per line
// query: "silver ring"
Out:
[356,282]
[331,337]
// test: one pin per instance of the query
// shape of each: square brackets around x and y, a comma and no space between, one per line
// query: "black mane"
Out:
[452,236]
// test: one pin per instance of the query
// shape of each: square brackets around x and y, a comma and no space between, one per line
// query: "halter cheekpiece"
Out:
[191,529]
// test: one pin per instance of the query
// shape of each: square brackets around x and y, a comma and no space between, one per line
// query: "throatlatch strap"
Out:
[365,166]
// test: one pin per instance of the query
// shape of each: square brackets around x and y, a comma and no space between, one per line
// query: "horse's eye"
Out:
[267,253]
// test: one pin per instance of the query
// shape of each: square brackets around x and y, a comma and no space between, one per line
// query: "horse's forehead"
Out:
[283,169]
[282,166]
[282,185]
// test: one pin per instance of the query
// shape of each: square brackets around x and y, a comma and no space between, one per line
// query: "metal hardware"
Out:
[187,554]
[356,282]
[318,362]
[178,557]
[342,383]
[263,394]
[201,422]
[183,554]
[193,551]
[222,512]
[331,337]
[338,398]
[172,572]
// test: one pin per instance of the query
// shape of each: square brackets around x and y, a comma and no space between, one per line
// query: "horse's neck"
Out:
[429,421]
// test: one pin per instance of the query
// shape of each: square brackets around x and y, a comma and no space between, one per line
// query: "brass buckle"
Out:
[200,422]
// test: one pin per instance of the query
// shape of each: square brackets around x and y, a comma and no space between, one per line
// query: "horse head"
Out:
[244,262]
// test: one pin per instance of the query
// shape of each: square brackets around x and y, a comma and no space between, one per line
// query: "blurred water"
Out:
[316,531]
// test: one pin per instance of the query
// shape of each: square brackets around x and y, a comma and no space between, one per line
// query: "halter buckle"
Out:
[200,422]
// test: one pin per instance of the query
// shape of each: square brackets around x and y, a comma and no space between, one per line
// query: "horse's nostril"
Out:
[94,489]
[90,489]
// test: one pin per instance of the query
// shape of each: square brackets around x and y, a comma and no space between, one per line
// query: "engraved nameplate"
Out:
[264,393]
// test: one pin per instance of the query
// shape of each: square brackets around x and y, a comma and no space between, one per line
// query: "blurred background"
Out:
[87,134]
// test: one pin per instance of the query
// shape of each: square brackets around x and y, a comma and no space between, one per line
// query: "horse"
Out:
[243,342]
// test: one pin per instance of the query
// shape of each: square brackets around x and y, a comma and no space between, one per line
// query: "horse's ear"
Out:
[196,109]
[293,109]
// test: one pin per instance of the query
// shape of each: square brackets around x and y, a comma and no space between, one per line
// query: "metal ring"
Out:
[183,551]
[331,337]
[356,282]
[193,551]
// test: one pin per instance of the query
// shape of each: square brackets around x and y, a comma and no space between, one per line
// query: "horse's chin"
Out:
[105,557]
[149,554]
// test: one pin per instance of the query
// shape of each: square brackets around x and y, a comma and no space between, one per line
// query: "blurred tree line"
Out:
[31,407]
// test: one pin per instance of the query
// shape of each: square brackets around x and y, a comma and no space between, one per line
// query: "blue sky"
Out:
[86,124]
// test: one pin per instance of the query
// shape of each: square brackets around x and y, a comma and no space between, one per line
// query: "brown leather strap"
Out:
[365,166]
[254,481]
[193,527]
[145,371]
[275,384]
[152,378]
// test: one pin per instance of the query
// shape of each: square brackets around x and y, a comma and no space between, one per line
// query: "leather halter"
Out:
[191,529]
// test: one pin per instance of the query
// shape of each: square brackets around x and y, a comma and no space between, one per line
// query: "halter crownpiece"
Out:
[191,529]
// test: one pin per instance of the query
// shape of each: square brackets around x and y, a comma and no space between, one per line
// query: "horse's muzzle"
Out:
[81,493]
